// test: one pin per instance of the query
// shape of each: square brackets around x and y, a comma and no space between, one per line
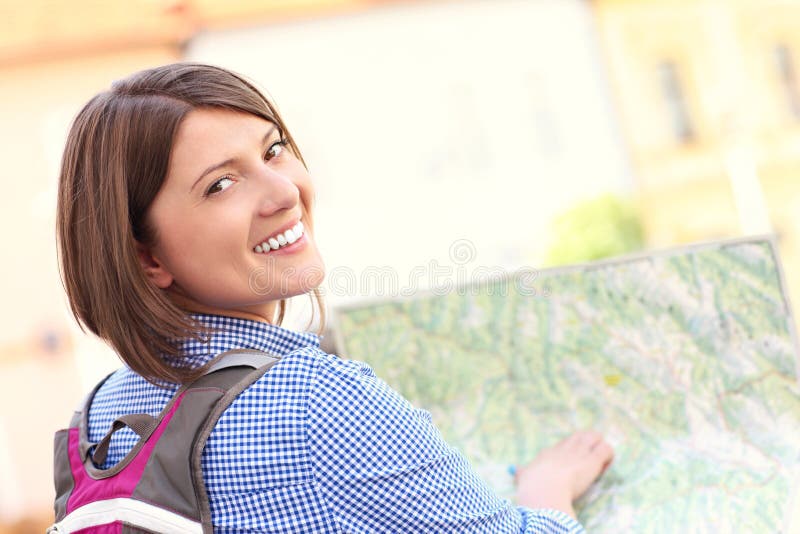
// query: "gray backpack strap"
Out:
[179,450]
[141,423]
[241,357]
[221,374]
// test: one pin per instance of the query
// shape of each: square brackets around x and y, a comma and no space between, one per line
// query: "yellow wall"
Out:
[724,53]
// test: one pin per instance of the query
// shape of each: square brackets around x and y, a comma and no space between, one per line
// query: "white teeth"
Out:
[286,238]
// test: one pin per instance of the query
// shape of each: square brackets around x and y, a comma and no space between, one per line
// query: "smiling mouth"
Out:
[281,240]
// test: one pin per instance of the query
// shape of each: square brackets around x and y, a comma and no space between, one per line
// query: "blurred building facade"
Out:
[709,95]
[472,134]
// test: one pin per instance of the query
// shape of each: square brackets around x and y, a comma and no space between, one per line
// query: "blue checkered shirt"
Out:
[320,444]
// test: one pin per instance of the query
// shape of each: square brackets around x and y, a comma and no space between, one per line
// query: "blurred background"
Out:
[537,132]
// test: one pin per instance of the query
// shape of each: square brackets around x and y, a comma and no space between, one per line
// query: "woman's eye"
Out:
[219,186]
[275,150]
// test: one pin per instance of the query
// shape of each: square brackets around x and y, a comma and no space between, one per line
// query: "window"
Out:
[675,101]
[784,60]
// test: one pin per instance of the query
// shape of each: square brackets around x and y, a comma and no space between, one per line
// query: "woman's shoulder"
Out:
[316,364]
[297,374]
[350,388]
[311,381]
[305,369]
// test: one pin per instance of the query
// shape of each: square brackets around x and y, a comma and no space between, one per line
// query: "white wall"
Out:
[428,123]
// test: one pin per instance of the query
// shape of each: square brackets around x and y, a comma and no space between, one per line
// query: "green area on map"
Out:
[684,359]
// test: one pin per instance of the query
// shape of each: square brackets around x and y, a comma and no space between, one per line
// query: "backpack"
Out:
[158,486]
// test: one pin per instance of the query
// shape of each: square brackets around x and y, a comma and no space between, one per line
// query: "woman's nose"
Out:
[277,192]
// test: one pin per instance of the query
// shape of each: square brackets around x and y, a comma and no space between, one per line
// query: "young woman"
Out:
[185,219]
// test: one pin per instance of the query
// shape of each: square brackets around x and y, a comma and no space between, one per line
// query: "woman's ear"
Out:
[153,268]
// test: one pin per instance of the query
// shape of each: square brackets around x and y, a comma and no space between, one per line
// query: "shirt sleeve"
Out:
[382,466]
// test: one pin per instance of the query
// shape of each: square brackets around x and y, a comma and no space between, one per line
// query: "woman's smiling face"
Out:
[233,189]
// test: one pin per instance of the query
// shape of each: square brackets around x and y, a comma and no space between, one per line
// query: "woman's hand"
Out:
[562,473]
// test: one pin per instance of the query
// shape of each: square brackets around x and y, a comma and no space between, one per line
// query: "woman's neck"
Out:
[265,314]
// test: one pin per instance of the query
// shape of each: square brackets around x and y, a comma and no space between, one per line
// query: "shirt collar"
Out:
[229,333]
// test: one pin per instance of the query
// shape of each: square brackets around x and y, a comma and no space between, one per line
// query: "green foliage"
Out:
[598,228]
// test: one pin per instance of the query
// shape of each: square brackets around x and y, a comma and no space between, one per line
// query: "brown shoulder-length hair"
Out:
[114,164]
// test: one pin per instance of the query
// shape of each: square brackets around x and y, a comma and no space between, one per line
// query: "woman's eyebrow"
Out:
[228,161]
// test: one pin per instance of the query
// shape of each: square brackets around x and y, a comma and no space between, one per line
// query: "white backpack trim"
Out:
[129,511]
